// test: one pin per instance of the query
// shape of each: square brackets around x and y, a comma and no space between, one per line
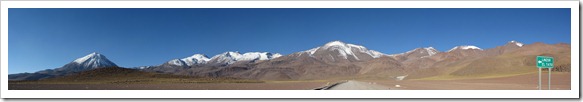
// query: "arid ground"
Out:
[186,86]
[560,81]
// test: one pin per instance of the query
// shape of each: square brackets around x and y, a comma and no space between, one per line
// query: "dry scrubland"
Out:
[128,79]
[560,81]
[115,75]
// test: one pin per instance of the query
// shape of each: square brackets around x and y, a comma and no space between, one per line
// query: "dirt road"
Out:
[358,85]
[560,81]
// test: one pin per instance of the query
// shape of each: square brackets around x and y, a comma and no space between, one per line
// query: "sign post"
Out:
[539,79]
[544,62]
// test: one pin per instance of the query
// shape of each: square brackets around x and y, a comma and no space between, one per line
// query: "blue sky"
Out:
[49,38]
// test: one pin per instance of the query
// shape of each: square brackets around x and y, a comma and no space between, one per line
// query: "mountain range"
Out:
[339,60]
[88,62]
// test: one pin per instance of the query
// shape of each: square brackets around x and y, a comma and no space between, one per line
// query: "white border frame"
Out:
[573,93]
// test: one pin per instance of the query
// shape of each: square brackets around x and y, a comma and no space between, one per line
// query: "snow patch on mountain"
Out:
[344,49]
[196,59]
[232,57]
[376,54]
[362,49]
[429,50]
[465,47]
[227,57]
[432,51]
[177,62]
[94,60]
[516,43]
[311,51]
[258,56]
[276,55]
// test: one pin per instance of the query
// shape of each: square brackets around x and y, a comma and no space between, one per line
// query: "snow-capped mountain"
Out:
[227,58]
[464,47]
[94,60]
[331,59]
[222,59]
[416,53]
[362,49]
[337,50]
[88,62]
[91,61]
[196,59]
[250,56]
[177,62]
[508,47]
[310,52]
[516,43]
[431,51]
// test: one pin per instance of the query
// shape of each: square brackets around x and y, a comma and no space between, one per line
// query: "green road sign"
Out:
[544,62]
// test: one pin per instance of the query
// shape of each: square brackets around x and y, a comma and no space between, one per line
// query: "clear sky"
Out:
[49,38]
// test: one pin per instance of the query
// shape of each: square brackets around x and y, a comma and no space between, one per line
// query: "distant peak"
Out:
[312,51]
[199,55]
[334,43]
[195,59]
[232,57]
[276,55]
[234,54]
[465,47]
[93,55]
[430,48]
[344,50]
[177,62]
[231,53]
[516,43]
[94,60]
[422,48]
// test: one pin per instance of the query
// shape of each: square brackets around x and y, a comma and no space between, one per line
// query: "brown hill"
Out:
[300,67]
[337,60]
[413,55]
[334,60]
[507,63]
